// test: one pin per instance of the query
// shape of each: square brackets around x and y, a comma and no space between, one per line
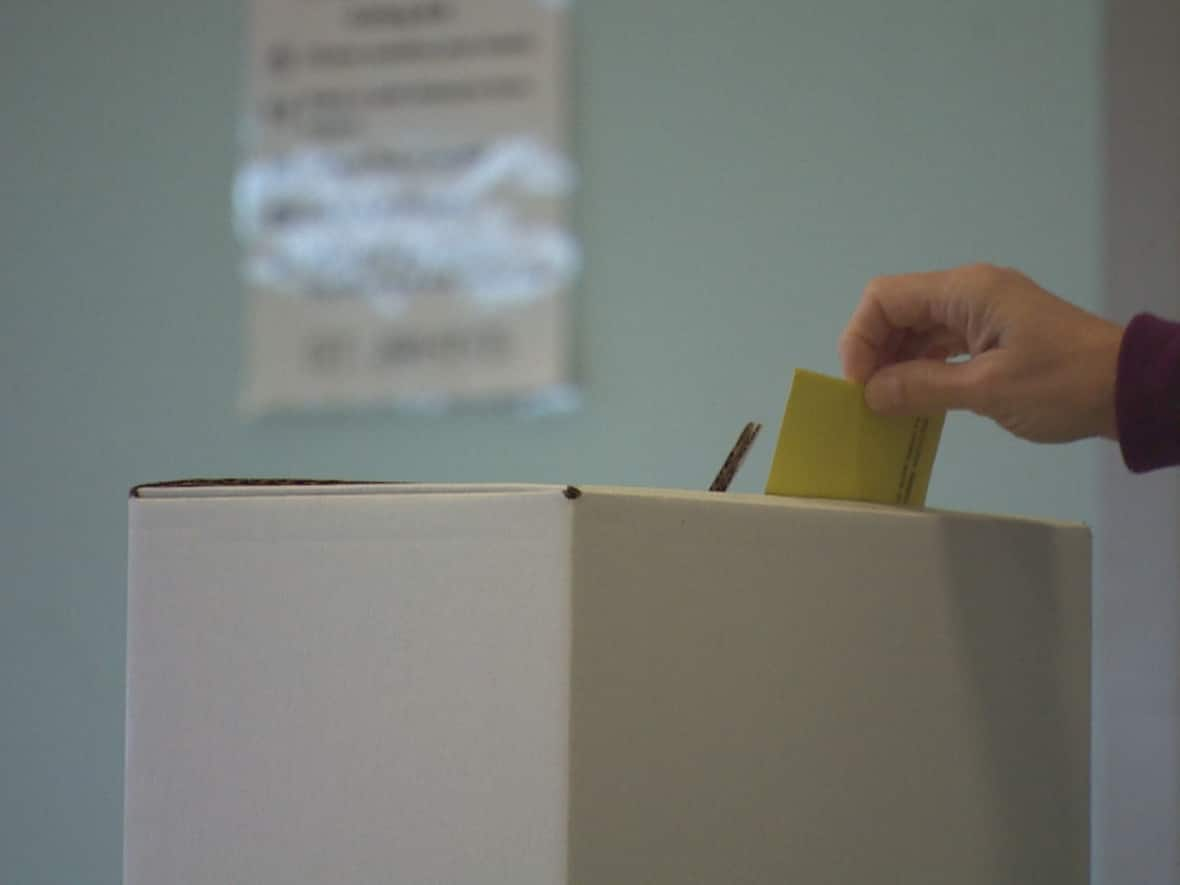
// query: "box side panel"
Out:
[792,695]
[348,689]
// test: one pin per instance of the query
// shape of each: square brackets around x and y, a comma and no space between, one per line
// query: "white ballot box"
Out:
[538,685]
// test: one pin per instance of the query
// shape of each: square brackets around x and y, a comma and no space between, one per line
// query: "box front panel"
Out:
[348,689]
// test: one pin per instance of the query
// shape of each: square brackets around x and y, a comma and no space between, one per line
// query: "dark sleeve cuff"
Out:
[1147,393]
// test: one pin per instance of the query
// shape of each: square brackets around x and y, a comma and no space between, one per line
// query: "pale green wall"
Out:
[746,167]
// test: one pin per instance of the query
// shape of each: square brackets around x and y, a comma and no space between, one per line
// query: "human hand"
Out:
[1039,366]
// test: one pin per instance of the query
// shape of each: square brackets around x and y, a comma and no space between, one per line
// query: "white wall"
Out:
[1137,651]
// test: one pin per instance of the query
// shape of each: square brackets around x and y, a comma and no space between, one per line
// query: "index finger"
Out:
[891,304]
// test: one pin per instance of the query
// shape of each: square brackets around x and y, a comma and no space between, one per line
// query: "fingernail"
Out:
[882,393]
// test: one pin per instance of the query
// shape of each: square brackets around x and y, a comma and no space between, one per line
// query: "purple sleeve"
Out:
[1147,393]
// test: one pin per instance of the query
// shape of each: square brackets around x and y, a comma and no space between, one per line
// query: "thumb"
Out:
[917,387]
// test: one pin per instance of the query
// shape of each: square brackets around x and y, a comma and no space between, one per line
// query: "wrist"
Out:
[1107,359]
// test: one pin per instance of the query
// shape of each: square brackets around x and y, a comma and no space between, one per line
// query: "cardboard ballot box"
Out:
[536,684]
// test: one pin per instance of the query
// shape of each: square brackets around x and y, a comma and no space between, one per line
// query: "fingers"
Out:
[935,344]
[917,302]
[918,387]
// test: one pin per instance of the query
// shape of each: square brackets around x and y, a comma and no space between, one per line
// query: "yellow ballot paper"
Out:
[832,446]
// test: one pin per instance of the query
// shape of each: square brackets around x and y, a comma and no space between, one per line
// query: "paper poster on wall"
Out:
[402,203]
